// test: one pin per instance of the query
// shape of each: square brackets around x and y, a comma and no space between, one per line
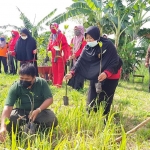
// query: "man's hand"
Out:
[146,65]
[102,76]
[34,114]
[3,134]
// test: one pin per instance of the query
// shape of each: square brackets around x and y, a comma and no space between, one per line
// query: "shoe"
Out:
[58,85]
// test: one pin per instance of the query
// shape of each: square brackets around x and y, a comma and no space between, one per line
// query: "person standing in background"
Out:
[77,44]
[3,53]
[25,49]
[147,57]
[59,47]
[11,48]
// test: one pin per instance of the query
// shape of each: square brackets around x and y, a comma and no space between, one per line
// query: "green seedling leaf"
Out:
[7,121]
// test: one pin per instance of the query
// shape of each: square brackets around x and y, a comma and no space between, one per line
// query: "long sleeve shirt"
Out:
[147,55]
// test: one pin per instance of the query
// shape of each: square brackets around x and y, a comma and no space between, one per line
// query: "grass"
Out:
[79,131]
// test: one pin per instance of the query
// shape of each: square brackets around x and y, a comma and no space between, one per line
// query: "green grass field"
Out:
[79,131]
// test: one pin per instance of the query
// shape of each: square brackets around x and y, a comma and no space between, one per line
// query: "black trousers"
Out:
[12,64]
[45,119]
[107,94]
[4,61]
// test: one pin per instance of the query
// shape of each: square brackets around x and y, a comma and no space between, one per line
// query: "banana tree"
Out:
[140,16]
[118,15]
[127,16]
[111,16]
[93,9]
[31,26]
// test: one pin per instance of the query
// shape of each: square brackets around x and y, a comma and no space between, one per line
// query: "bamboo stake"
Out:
[134,129]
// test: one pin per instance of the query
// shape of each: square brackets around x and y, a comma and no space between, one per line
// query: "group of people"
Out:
[64,53]
[20,48]
[91,57]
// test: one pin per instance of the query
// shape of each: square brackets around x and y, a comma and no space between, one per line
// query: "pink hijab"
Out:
[77,40]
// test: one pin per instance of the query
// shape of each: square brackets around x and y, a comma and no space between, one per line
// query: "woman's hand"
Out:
[68,76]
[34,51]
[9,52]
[72,57]
[102,76]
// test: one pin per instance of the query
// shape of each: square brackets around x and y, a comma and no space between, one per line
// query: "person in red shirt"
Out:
[11,48]
[59,47]
[77,44]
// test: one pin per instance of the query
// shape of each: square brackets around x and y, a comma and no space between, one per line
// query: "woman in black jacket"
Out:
[99,63]
[25,49]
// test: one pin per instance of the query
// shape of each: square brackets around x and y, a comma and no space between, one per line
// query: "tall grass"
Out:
[77,130]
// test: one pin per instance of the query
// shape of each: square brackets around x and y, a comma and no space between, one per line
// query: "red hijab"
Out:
[54,28]
[13,40]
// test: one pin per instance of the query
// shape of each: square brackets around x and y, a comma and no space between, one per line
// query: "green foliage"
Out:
[131,57]
[78,130]
[70,13]
[7,121]
[34,29]
[42,42]
[143,32]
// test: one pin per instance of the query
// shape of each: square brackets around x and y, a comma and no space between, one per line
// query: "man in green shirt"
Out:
[31,97]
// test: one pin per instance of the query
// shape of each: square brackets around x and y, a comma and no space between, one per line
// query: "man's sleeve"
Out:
[46,90]
[147,57]
[12,95]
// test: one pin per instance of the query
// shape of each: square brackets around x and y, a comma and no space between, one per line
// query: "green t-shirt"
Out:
[22,97]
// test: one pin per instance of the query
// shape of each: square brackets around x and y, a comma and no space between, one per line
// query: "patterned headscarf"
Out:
[77,40]
[54,35]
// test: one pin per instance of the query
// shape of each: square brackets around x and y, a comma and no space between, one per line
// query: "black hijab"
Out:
[24,48]
[88,64]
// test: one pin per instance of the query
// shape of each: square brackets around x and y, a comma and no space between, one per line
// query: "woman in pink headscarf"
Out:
[11,48]
[77,44]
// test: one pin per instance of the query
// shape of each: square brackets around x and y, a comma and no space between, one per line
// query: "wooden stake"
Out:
[134,129]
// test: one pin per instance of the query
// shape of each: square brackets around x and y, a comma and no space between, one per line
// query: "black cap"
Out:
[94,32]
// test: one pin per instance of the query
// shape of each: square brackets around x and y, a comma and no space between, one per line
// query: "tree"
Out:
[111,16]
[92,9]
[139,17]
[31,26]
